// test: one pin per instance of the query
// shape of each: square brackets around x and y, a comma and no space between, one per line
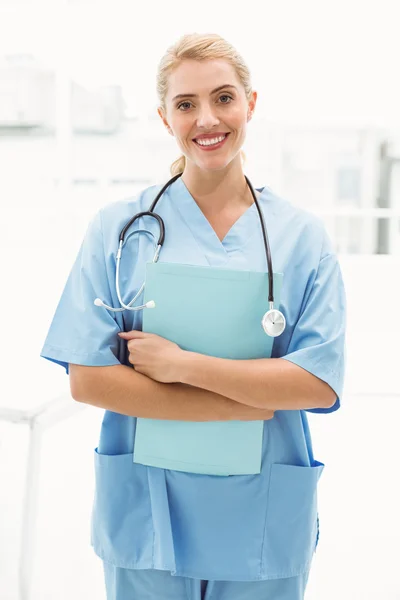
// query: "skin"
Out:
[214,179]
[154,356]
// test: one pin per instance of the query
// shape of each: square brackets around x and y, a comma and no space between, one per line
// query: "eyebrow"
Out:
[220,87]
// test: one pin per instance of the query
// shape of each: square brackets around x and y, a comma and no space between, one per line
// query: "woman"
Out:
[169,534]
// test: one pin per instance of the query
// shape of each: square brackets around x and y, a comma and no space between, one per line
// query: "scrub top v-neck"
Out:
[217,250]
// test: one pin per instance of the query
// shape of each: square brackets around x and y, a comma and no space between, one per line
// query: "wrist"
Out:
[186,365]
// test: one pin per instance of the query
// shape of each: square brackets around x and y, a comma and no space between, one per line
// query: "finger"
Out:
[132,335]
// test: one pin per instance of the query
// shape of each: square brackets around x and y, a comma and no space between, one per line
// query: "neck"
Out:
[215,191]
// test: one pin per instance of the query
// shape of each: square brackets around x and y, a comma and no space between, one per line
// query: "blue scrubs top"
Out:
[242,527]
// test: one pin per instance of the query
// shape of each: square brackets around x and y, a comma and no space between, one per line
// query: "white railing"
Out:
[37,420]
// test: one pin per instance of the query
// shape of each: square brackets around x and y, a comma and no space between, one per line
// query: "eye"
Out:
[181,104]
[187,102]
[226,96]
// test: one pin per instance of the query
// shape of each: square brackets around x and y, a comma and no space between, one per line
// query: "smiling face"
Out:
[207,112]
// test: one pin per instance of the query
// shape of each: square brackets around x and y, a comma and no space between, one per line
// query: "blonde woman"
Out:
[173,534]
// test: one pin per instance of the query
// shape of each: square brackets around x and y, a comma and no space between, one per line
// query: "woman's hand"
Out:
[153,355]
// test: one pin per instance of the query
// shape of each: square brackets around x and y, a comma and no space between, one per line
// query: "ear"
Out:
[164,120]
[252,105]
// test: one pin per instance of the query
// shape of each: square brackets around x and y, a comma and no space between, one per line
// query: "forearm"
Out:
[122,390]
[273,383]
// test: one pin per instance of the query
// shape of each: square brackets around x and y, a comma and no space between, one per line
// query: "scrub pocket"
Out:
[122,530]
[291,530]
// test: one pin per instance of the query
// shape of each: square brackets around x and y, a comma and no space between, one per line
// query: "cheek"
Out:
[238,120]
[181,128]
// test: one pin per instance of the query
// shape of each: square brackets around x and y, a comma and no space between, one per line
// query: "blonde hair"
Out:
[200,47]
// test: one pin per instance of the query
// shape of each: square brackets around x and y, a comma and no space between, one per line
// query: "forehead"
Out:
[200,77]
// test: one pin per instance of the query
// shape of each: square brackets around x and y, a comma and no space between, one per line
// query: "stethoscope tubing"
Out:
[161,238]
[273,321]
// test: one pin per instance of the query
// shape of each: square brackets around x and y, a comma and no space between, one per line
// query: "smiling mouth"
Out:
[211,142]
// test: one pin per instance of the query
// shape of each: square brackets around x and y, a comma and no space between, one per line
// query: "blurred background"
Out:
[79,129]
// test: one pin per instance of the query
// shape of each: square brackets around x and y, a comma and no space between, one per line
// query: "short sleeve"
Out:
[80,332]
[318,339]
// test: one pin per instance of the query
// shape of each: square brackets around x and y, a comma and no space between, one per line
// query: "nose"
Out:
[206,118]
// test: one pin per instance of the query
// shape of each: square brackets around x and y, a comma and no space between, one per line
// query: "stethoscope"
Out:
[273,322]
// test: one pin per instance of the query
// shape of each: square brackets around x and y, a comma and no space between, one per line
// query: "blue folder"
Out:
[217,312]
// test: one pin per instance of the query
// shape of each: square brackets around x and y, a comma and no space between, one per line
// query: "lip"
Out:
[214,146]
[208,136]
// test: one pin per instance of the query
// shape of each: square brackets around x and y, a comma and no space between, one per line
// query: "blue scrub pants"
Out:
[127,584]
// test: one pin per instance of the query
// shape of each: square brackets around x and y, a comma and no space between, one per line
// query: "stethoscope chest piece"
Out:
[273,322]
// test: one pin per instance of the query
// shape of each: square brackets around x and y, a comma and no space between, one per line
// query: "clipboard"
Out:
[217,312]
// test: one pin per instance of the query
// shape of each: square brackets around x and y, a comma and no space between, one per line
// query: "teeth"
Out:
[211,141]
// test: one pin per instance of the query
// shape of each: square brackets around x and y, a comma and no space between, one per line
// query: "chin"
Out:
[215,165]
